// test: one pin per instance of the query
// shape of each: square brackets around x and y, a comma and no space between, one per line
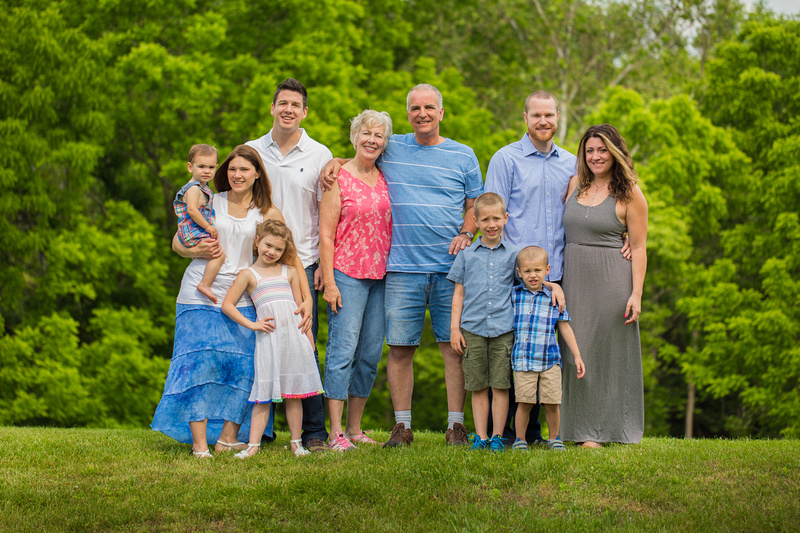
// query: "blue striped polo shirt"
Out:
[428,186]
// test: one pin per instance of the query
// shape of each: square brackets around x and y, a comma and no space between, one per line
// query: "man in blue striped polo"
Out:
[433,182]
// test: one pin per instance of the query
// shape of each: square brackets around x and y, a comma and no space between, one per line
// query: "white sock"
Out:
[454,417]
[403,417]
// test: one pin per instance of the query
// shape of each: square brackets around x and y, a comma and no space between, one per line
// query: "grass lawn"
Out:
[139,480]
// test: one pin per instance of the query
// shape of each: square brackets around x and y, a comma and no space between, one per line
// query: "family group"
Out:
[386,236]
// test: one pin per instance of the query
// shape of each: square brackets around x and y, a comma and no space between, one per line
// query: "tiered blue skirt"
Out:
[210,374]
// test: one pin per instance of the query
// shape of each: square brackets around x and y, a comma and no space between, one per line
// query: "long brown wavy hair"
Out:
[262,190]
[623,176]
[278,229]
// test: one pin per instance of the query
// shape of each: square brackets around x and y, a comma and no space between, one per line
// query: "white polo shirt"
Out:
[296,191]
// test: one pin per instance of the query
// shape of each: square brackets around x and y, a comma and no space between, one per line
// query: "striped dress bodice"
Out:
[271,289]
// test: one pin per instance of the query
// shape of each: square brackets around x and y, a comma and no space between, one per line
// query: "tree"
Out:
[100,106]
[750,356]
[572,48]
[54,126]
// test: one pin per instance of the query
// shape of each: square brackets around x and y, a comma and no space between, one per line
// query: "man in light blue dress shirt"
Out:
[532,176]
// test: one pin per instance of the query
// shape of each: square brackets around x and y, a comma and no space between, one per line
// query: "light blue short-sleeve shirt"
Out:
[487,275]
[428,186]
[534,188]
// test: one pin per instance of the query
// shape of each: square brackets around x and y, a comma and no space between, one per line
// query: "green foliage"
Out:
[52,133]
[104,373]
[750,353]
[575,49]
[100,101]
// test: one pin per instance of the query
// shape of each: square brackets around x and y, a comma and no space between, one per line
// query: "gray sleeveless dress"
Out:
[607,404]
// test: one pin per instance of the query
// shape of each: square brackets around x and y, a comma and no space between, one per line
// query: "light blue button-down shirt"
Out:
[487,275]
[534,187]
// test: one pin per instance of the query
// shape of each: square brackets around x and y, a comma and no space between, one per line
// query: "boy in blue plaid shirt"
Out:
[536,359]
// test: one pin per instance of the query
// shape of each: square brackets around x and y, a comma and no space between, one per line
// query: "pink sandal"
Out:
[362,438]
[340,443]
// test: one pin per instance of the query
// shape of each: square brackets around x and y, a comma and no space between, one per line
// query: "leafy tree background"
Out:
[101,100]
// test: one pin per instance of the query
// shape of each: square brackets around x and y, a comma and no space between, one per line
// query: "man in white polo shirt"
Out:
[293,161]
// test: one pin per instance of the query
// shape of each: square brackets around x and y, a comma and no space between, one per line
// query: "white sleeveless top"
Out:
[236,238]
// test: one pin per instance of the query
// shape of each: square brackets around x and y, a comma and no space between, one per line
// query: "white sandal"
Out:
[202,455]
[245,454]
[231,446]
[300,451]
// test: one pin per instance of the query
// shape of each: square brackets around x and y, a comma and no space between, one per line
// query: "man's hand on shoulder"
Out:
[460,241]
[327,177]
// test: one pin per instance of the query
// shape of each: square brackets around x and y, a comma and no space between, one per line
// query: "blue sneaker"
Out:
[477,442]
[496,444]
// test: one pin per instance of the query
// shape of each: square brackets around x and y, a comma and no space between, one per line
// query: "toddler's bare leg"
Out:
[212,269]
[552,414]
[521,420]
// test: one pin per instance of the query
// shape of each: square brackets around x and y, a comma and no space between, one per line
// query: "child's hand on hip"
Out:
[265,324]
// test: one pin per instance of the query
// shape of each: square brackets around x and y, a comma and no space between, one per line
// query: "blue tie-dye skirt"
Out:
[210,374]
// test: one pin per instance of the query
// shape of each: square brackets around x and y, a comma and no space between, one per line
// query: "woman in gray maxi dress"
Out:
[603,292]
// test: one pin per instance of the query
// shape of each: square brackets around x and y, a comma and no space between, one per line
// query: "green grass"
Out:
[138,480]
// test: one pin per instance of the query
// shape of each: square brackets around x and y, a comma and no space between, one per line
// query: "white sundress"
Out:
[284,359]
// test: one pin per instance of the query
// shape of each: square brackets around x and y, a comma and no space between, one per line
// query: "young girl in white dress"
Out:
[285,368]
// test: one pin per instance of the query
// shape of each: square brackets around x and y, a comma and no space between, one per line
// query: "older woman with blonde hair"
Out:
[355,228]
[604,293]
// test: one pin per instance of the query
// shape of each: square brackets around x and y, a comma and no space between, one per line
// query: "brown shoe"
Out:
[458,436]
[400,436]
[316,446]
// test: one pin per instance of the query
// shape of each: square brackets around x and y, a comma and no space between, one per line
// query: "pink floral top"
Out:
[364,232]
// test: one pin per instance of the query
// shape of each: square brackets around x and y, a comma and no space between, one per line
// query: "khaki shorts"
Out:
[549,385]
[487,361]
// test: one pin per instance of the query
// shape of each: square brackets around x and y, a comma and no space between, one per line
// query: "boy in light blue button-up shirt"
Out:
[482,319]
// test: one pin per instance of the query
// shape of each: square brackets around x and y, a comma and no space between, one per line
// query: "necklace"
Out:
[364,175]
[591,205]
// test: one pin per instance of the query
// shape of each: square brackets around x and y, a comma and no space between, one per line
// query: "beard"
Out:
[544,135]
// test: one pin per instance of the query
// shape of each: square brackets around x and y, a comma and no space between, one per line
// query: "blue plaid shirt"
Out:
[535,344]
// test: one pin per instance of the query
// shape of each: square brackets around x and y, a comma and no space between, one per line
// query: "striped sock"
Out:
[454,417]
[403,417]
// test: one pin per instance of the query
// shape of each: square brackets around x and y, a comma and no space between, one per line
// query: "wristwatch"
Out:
[468,234]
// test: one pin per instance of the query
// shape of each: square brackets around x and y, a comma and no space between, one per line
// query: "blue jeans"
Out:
[407,296]
[355,338]
[314,406]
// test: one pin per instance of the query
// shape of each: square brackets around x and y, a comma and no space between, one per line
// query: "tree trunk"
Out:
[689,430]
[690,396]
